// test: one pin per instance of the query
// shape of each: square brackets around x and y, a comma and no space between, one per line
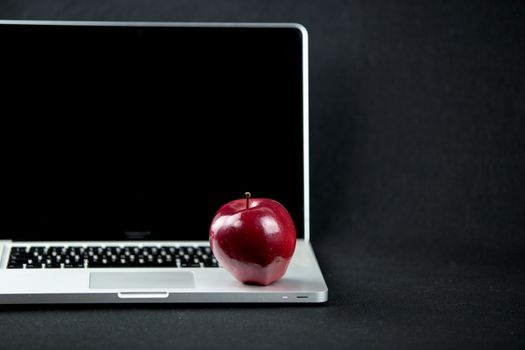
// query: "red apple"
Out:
[253,239]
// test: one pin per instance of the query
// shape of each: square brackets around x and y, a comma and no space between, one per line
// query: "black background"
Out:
[418,163]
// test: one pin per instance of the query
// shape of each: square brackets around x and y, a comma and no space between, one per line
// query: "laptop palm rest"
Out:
[141,280]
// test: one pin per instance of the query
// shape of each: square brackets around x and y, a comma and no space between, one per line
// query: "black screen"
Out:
[113,133]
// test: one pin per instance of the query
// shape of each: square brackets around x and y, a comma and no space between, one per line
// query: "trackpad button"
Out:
[141,280]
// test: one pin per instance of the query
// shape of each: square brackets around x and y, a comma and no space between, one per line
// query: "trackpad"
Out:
[141,280]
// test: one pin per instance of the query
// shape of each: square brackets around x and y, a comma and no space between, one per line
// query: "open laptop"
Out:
[120,141]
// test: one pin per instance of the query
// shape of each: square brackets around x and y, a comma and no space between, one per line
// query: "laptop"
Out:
[119,143]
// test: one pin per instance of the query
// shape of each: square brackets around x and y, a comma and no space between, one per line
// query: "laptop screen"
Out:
[117,133]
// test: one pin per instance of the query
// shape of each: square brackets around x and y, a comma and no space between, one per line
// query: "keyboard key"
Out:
[57,248]
[190,264]
[15,266]
[52,265]
[34,266]
[74,265]
[36,251]
[18,253]
[20,259]
[18,249]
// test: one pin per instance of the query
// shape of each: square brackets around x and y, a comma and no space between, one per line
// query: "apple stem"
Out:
[248,195]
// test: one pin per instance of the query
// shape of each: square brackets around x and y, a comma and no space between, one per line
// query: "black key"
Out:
[189,265]
[169,264]
[151,250]
[145,261]
[211,263]
[96,265]
[18,249]
[15,266]
[168,248]
[58,249]
[135,250]
[72,253]
[126,264]
[34,265]
[21,259]
[36,250]
[114,250]
[101,263]
[19,253]
[74,265]
[95,248]
[52,265]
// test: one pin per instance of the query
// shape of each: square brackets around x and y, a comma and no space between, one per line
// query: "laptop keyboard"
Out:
[76,257]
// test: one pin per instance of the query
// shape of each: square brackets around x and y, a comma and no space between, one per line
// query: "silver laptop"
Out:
[119,143]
